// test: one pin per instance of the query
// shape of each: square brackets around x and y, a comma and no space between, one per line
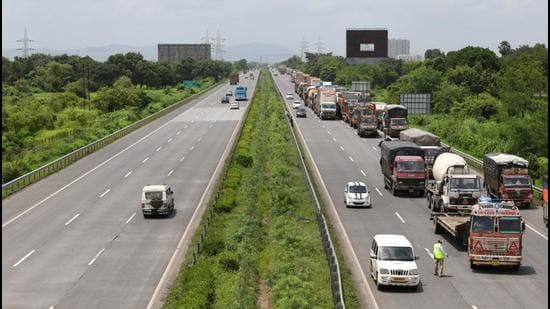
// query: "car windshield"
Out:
[509,225]
[328,105]
[464,183]
[358,189]
[482,224]
[411,166]
[153,195]
[517,181]
[396,254]
[399,121]
[301,109]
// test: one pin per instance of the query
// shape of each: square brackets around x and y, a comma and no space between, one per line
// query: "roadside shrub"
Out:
[244,160]
[228,261]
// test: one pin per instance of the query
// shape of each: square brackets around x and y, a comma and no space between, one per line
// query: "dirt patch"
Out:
[263,294]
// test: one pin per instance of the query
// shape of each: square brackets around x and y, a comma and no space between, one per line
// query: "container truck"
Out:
[492,232]
[395,120]
[453,186]
[234,79]
[402,165]
[325,103]
[507,178]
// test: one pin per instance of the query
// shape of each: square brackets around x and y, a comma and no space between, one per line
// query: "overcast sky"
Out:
[445,24]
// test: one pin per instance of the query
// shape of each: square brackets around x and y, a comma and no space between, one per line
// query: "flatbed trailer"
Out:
[456,224]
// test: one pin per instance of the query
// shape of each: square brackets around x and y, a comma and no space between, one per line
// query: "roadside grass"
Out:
[263,242]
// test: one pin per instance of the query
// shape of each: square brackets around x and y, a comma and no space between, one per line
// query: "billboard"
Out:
[367,43]
[416,103]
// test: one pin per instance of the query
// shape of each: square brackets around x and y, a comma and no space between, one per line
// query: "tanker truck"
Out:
[454,187]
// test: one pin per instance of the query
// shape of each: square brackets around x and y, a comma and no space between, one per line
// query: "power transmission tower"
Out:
[219,47]
[208,40]
[303,47]
[25,40]
[320,46]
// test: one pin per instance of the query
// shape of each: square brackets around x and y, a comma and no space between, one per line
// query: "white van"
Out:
[392,261]
[157,199]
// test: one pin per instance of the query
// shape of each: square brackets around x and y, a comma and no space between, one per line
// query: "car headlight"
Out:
[413,272]
[384,271]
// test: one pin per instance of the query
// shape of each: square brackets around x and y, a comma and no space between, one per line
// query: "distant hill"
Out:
[251,52]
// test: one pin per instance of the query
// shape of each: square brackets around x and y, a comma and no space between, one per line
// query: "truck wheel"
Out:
[429,199]
[472,265]
[436,206]
[436,227]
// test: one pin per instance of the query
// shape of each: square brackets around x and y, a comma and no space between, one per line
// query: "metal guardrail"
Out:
[58,164]
[332,258]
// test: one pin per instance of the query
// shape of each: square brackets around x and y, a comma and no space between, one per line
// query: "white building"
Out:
[410,57]
[398,47]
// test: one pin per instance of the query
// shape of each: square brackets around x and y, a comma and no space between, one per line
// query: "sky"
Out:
[444,24]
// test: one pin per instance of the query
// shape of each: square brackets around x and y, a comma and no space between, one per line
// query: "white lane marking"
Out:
[328,132]
[375,149]
[363,173]
[51,307]
[342,148]
[186,126]
[532,229]
[474,307]
[158,149]
[334,139]
[200,138]
[398,216]
[170,173]
[192,147]
[69,222]
[178,133]
[378,191]
[96,256]
[429,253]
[350,158]
[105,193]
[131,217]
[145,160]
[23,258]
[182,158]
[169,140]
[128,174]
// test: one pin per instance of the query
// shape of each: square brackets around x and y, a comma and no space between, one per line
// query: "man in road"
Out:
[439,256]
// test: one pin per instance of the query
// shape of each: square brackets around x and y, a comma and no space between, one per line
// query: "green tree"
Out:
[433,53]
[504,48]
[54,76]
[242,64]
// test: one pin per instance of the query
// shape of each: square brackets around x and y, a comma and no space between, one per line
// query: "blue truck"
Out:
[240,93]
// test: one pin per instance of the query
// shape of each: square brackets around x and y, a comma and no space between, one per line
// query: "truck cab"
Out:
[368,126]
[409,174]
[459,192]
[157,199]
[396,126]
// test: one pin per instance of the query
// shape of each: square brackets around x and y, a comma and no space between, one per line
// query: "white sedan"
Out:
[356,194]
[296,104]
[234,105]
[289,96]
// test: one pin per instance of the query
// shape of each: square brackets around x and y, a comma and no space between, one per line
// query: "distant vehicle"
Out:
[392,261]
[229,93]
[289,96]
[395,120]
[157,199]
[225,99]
[296,104]
[233,79]
[240,93]
[234,105]
[356,194]
[301,112]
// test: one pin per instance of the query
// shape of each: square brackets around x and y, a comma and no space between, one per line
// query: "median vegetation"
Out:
[263,246]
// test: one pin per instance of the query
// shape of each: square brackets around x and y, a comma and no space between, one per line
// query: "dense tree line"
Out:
[481,102]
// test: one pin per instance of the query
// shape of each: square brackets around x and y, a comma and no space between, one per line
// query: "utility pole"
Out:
[303,48]
[25,40]
[320,46]
[208,40]
[219,46]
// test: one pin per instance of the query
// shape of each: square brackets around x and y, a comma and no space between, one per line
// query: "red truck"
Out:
[402,165]
[507,178]
[346,103]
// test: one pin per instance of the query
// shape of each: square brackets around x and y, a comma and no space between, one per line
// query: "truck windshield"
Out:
[396,254]
[153,195]
[399,122]
[483,224]
[464,183]
[368,121]
[509,225]
[328,105]
[517,181]
[357,189]
[411,166]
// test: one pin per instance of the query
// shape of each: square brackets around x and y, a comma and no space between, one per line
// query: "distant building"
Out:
[398,47]
[178,52]
[410,57]
[366,45]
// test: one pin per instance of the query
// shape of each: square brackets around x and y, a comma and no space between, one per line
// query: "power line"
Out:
[303,47]
[25,48]
[320,46]
[219,46]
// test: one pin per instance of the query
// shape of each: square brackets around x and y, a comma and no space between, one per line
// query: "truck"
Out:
[545,200]
[240,93]
[379,112]
[234,79]
[325,103]
[395,120]
[402,165]
[453,187]
[346,101]
[368,123]
[492,231]
[507,178]
[430,142]
[359,110]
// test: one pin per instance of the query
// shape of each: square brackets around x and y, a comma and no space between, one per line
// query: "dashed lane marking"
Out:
[72,219]
[128,174]
[398,216]
[378,191]
[96,256]
[105,193]
[23,258]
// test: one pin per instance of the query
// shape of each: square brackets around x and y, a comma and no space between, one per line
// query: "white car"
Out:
[392,261]
[289,96]
[356,194]
[296,104]
[234,105]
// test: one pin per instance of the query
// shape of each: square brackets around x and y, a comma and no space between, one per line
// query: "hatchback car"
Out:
[234,105]
[296,104]
[356,194]
[392,261]
[229,93]
[289,96]
[301,112]
[225,99]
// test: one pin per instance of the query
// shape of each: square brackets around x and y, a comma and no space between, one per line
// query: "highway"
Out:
[342,156]
[77,239]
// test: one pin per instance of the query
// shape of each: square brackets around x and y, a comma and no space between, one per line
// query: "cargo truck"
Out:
[492,232]
[431,144]
[368,123]
[347,101]
[359,110]
[234,79]
[325,103]
[453,186]
[395,120]
[402,165]
[507,178]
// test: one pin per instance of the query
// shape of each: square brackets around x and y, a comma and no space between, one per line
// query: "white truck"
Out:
[454,187]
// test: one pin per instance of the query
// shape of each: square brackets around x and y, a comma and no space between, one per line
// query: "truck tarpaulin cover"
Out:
[391,149]
[419,137]
[396,111]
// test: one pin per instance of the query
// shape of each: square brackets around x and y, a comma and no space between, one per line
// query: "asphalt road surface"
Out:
[342,156]
[78,239]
